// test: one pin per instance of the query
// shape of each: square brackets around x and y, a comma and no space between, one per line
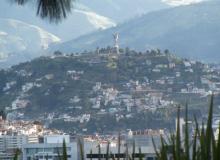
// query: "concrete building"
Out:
[144,138]
[50,148]
[10,143]
[49,151]
[6,156]
[56,138]
[33,138]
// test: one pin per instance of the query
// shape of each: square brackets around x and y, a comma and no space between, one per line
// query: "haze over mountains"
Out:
[189,31]
[87,16]
[20,41]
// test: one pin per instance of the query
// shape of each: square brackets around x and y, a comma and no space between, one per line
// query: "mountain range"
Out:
[190,31]
[20,41]
[87,15]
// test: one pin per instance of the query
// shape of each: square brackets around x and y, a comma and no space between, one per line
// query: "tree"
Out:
[57,53]
[17,153]
[127,51]
[166,51]
[3,114]
[65,157]
[121,50]
[54,10]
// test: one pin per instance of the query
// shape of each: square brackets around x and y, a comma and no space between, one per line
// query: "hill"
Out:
[98,92]
[191,31]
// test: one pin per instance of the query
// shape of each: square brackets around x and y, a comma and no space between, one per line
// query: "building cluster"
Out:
[31,139]
[44,147]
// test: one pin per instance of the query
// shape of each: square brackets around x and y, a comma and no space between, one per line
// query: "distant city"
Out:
[109,80]
[118,97]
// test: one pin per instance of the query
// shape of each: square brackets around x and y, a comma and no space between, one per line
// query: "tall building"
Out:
[9,144]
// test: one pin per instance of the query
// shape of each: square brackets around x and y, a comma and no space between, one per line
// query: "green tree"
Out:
[17,153]
[65,157]
[133,151]
[99,152]
[57,53]
[3,114]
[107,151]
[167,52]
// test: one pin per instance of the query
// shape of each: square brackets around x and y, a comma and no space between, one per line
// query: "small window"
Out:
[150,158]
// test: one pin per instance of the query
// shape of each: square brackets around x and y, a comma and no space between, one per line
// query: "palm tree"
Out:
[54,10]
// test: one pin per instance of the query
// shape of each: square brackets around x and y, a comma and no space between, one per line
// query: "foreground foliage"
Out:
[54,10]
[203,145]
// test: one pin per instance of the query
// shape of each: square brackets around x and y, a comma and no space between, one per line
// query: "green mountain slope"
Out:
[91,91]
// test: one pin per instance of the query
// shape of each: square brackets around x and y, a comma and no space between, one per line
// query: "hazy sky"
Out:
[180,2]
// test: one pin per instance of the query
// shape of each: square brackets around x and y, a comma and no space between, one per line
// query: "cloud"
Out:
[98,21]
[181,2]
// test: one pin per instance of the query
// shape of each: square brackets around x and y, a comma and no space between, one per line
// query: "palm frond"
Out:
[186,140]
[178,138]
[99,150]
[218,144]
[209,133]
[155,149]
[140,154]
[133,152]
[194,149]
[107,151]
[53,10]
[119,144]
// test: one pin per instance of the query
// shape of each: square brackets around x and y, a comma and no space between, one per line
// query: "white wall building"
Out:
[10,143]
[49,151]
[56,138]
[50,148]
